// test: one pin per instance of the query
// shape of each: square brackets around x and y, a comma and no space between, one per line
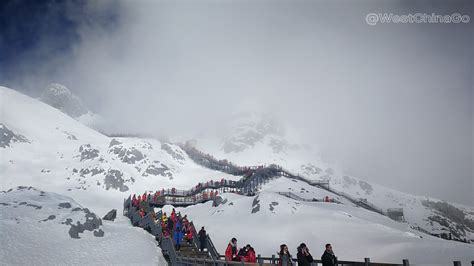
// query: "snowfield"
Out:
[35,230]
[254,139]
[62,155]
[354,232]
[73,174]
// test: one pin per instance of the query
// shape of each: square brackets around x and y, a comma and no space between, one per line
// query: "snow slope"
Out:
[260,140]
[35,230]
[61,155]
[268,220]
[42,147]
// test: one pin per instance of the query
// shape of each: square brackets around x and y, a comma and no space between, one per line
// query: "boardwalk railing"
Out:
[254,176]
[153,226]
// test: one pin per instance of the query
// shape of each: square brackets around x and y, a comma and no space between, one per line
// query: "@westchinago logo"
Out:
[377,18]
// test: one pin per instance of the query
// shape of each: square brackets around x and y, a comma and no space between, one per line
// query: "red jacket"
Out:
[189,236]
[251,256]
[229,253]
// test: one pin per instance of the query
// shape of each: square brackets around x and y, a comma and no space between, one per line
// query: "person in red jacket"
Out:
[173,215]
[231,250]
[189,235]
[250,254]
[139,201]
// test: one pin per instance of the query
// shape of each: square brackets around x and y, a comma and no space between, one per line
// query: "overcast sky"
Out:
[390,103]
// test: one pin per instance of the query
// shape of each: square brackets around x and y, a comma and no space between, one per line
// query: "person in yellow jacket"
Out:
[164,218]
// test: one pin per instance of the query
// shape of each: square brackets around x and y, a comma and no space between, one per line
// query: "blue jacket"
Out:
[178,234]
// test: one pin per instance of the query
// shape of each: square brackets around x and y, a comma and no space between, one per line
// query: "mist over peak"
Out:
[60,97]
[391,103]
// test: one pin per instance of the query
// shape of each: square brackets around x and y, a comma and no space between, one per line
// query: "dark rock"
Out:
[96,171]
[34,206]
[111,215]
[175,154]
[84,171]
[7,137]
[217,201]
[256,205]
[155,170]
[51,217]
[98,233]
[272,205]
[87,152]
[68,221]
[114,179]
[92,223]
[114,142]
[65,205]
[75,230]
[130,155]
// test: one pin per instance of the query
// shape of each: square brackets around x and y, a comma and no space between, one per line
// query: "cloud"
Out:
[390,103]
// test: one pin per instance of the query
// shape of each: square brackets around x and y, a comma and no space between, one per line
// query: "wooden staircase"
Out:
[191,251]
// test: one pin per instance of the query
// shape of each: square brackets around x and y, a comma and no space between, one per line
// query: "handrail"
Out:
[167,245]
[293,196]
[252,172]
[211,248]
[195,236]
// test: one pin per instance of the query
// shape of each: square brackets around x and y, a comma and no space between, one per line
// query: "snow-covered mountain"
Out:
[258,139]
[45,148]
[68,162]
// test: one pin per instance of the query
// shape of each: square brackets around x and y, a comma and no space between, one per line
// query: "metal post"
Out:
[367,261]
[457,263]
[406,262]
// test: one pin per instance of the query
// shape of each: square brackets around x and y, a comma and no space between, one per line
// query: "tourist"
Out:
[284,256]
[304,257]
[328,258]
[231,251]
[202,239]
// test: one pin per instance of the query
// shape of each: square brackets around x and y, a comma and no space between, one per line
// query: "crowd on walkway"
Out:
[304,257]
[176,227]
[180,229]
[172,196]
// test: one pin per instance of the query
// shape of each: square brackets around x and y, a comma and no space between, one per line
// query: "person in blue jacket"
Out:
[178,235]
